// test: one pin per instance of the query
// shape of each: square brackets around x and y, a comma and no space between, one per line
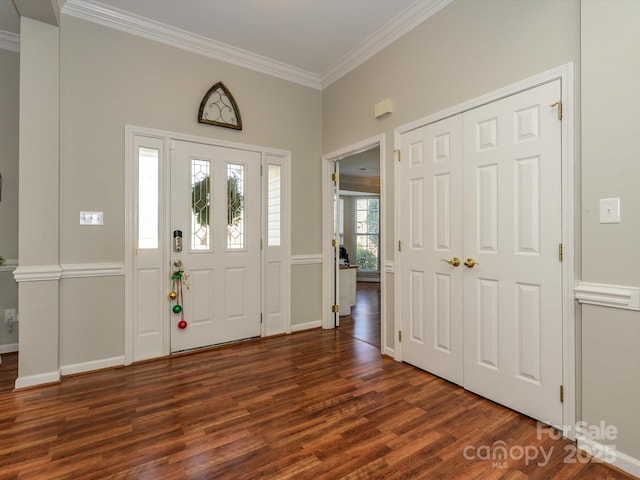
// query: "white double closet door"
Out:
[483,188]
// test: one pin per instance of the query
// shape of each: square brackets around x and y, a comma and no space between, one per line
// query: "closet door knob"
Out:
[470,263]
[455,261]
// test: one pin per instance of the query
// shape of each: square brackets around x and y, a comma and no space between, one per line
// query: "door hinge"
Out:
[260,170]
[399,245]
[335,308]
[399,152]
[335,177]
[560,252]
[260,317]
[400,336]
[559,105]
[260,244]
[334,243]
[561,393]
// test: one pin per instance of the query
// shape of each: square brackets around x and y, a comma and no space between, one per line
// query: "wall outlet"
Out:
[10,315]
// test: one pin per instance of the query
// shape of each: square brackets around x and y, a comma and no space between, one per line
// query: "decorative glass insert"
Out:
[368,234]
[273,207]
[235,206]
[148,188]
[200,205]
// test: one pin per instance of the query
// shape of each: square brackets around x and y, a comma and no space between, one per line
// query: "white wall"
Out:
[9,107]
[611,168]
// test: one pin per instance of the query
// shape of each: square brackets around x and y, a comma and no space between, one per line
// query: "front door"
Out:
[215,209]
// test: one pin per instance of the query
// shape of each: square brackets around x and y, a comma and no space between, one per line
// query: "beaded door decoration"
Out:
[179,279]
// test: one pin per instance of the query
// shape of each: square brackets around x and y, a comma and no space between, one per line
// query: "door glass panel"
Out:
[200,205]
[235,206]
[273,186]
[148,185]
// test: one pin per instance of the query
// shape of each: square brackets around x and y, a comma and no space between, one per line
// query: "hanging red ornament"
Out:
[182,324]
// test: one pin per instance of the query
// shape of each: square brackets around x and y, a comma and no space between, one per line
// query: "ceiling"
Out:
[320,39]
[362,164]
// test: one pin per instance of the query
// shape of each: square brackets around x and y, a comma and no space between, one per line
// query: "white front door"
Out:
[216,208]
[485,187]
[432,275]
[513,229]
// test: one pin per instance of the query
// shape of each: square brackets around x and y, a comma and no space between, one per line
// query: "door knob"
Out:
[455,261]
[470,262]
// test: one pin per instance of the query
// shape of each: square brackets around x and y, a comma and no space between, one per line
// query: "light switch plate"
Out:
[91,218]
[609,210]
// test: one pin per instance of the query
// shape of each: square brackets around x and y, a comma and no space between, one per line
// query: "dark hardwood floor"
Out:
[318,404]
[8,371]
[364,321]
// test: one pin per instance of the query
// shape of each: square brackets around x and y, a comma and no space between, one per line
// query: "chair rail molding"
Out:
[39,273]
[614,296]
[306,259]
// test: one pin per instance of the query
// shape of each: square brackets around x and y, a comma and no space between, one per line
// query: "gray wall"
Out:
[611,168]
[467,49]
[109,79]
[9,105]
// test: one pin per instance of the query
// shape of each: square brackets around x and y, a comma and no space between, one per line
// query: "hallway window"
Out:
[368,234]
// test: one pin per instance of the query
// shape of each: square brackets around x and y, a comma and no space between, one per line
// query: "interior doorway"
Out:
[359,245]
[354,246]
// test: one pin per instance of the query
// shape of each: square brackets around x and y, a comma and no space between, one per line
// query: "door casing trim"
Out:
[131,131]
[565,73]
[327,230]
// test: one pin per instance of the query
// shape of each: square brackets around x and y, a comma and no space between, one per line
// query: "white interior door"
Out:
[513,229]
[432,275]
[506,303]
[220,244]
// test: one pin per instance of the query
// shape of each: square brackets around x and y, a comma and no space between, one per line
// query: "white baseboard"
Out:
[390,352]
[91,366]
[609,454]
[306,326]
[39,379]
[9,348]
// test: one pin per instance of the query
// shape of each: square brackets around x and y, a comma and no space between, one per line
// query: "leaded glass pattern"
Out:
[235,206]
[200,205]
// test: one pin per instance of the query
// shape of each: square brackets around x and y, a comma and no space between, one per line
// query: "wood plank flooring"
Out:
[312,405]
[364,321]
[8,371]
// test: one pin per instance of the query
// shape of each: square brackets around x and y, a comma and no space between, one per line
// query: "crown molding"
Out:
[96,12]
[396,28]
[9,41]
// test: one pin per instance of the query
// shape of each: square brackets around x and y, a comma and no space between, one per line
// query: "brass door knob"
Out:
[455,261]
[470,263]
